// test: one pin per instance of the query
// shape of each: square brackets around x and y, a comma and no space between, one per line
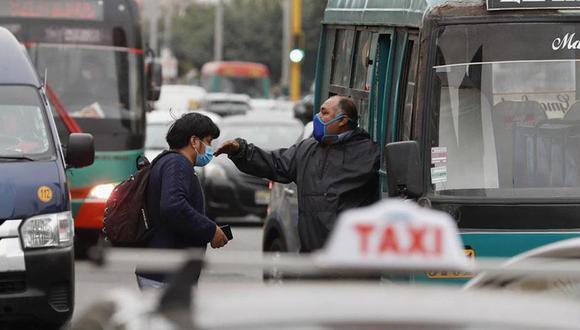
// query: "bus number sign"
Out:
[65,9]
[532,4]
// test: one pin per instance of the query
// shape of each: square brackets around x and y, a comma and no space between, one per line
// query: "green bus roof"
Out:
[380,12]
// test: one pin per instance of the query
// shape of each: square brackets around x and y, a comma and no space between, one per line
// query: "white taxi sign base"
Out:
[394,235]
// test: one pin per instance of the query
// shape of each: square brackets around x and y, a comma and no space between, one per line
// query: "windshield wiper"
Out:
[16,158]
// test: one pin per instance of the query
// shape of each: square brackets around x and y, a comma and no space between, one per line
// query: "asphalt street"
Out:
[93,282]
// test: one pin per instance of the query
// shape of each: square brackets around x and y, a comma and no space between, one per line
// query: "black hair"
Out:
[188,125]
[348,107]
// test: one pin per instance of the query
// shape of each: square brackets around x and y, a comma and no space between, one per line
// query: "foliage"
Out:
[252,32]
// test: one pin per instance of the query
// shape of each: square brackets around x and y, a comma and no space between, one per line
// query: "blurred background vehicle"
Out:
[180,97]
[231,193]
[238,77]
[158,122]
[226,104]
[304,109]
[280,232]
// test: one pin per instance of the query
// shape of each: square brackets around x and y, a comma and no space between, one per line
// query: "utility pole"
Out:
[218,42]
[153,13]
[297,37]
[285,81]
[167,18]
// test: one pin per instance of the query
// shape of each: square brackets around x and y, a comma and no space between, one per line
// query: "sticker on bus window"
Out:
[438,174]
[439,155]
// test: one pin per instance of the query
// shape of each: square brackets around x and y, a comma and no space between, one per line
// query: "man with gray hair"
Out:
[335,170]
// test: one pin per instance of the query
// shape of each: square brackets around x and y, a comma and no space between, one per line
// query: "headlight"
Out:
[215,171]
[101,192]
[47,230]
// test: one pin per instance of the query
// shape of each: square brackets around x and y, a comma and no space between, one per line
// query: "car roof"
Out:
[183,88]
[15,65]
[261,117]
[227,97]
[164,116]
[251,306]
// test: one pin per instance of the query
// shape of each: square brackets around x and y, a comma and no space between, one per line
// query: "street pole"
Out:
[218,31]
[286,6]
[167,26]
[153,10]
[295,67]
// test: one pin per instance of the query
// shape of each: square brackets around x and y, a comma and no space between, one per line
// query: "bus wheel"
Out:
[84,240]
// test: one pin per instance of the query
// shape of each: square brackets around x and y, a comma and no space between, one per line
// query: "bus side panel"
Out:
[109,167]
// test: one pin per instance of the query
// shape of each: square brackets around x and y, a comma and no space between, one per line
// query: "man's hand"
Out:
[219,239]
[229,147]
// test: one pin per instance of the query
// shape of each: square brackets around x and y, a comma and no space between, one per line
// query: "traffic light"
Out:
[297,50]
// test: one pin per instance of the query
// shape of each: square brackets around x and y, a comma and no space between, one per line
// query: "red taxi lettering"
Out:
[425,240]
[417,235]
[364,230]
[389,241]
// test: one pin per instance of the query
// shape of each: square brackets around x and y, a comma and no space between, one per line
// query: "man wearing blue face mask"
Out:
[335,170]
[174,195]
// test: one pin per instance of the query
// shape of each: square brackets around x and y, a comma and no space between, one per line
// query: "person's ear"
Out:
[343,121]
[193,143]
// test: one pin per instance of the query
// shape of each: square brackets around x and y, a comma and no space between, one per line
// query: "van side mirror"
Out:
[154,79]
[80,151]
[404,169]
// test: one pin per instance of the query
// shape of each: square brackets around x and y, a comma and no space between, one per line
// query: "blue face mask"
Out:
[319,129]
[202,160]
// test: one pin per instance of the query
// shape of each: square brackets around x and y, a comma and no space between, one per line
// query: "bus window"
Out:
[343,49]
[411,58]
[361,61]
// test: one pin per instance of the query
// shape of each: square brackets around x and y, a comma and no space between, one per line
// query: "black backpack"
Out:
[126,221]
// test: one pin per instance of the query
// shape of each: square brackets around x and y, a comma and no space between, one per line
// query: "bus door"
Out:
[397,56]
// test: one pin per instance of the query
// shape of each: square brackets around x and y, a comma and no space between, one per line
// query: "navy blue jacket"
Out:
[175,202]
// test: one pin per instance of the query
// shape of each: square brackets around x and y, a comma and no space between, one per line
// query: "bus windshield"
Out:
[254,87]
[506,99]
[91,83]
[98,86]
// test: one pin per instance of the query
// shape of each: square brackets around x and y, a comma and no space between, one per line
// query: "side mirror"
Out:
[404,169]
[154,79]
[80,151]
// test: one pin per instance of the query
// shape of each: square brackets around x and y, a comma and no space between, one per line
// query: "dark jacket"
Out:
[175,203]
[330,179]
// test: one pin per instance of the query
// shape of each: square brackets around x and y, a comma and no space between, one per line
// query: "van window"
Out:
[508,117]
[24,129]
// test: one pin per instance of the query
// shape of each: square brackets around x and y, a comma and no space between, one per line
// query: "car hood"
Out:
[31,188]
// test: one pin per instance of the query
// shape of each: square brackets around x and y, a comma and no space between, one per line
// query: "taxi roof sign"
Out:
[532,4]
[394,235]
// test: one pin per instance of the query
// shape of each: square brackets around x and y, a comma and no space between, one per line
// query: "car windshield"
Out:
[155,138]
[268,136]
[24,129]
[509,118]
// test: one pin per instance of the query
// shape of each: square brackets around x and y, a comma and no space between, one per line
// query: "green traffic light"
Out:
[296,55]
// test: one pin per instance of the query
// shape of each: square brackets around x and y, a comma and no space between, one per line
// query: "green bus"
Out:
[475,108]
[91,54]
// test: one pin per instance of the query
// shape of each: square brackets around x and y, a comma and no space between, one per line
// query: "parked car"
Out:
[231,193]
[158,122]
[281,224]
[180,97]
[225,104]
